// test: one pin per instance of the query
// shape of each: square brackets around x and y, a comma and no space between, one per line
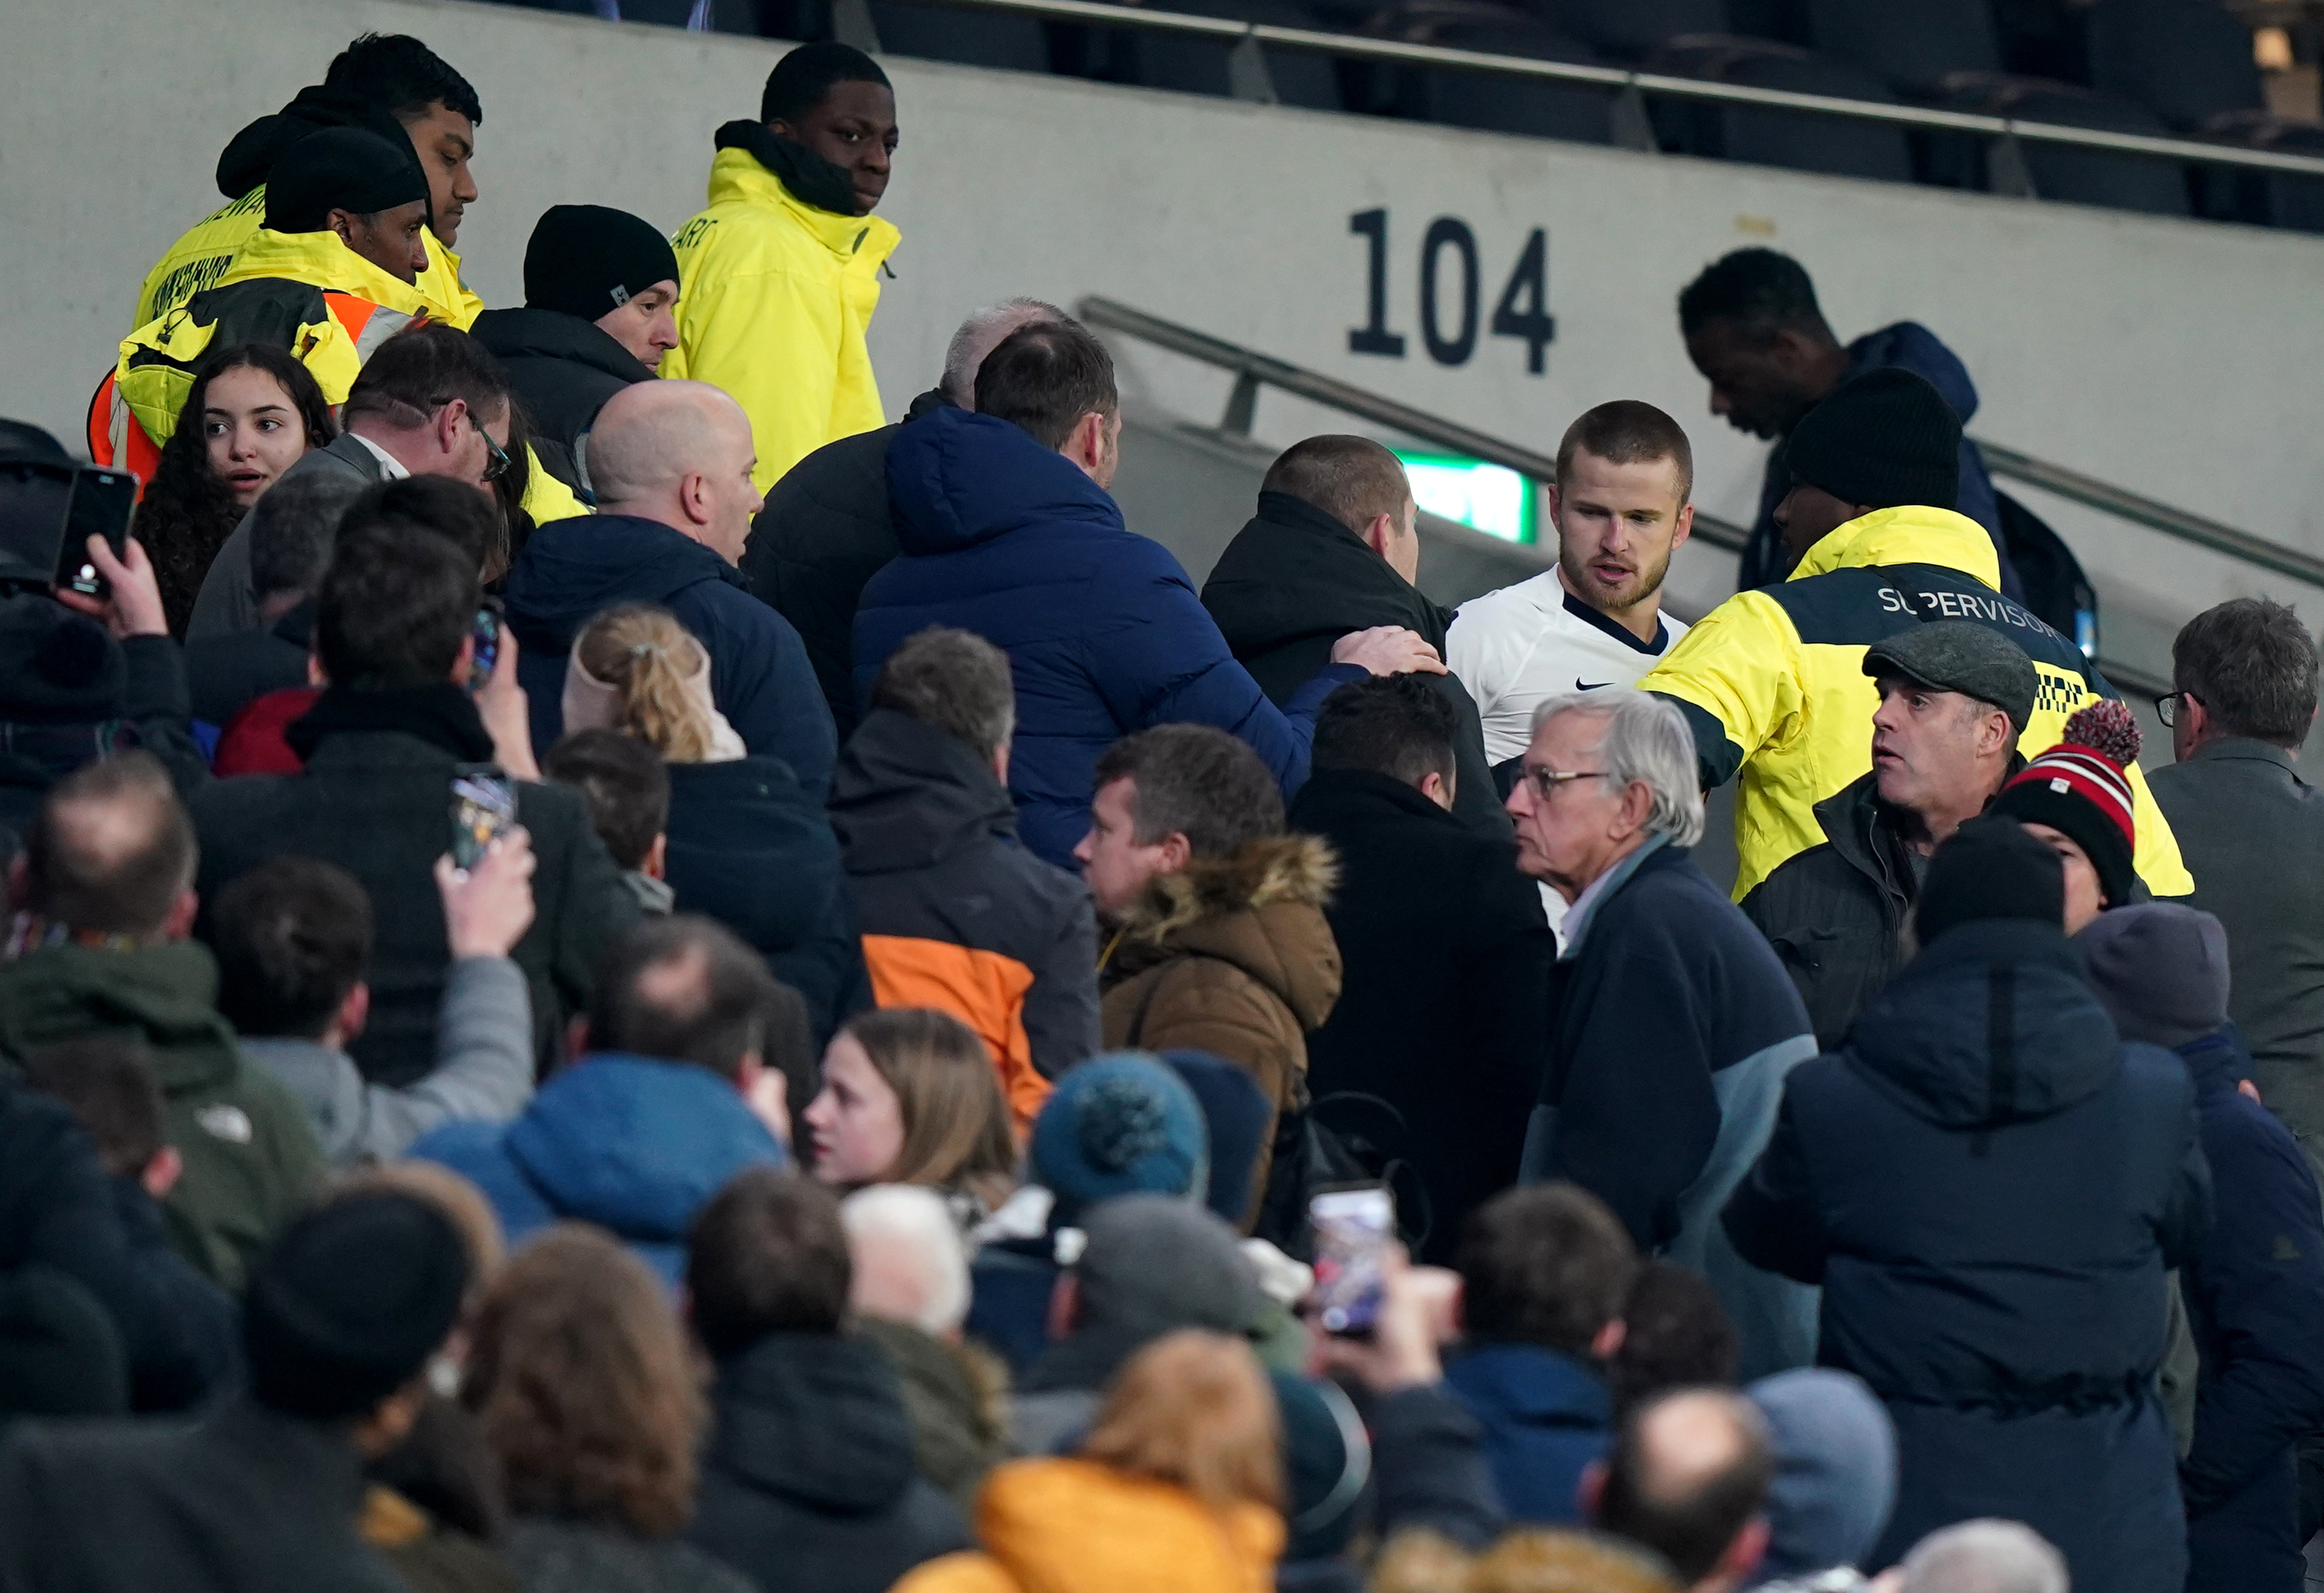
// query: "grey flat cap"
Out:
[1963,656]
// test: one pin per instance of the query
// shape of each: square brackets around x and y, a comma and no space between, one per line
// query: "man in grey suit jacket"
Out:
[2252,831]
[429,401]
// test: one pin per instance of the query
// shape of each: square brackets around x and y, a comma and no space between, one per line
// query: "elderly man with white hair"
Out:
[1674,1022]
[828,527]
[1985,1556]
[670,465]
[909,1293]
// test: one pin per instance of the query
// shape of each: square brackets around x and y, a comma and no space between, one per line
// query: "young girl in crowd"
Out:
[579,1376]
[252,413]
[1178,1488]
[747,844]
[909,1096]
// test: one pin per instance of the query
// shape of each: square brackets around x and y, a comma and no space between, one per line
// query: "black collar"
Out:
[1605,622]
[810,179]
[442,716]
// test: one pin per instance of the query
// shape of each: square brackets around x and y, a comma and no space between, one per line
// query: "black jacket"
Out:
[375,799]
[808,1482]
[227,673]
[1835,913]
[945,890]
[826,531]
[2254,1293]
[1988,1183]
[70,695]
[247,1501]
[1293,582]
[563,369]
[59,1209]
[749,847]
[1444,1008]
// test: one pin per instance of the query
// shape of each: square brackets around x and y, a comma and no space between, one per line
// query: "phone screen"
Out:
[487,652]
[1353,1228]
[484,807]
[101,505]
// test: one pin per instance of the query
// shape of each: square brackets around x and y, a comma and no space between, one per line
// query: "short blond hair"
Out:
[1194,1409]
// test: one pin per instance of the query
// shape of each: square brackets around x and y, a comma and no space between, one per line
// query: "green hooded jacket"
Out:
[251,1161]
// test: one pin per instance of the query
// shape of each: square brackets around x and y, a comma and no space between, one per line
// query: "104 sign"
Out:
[1449,294]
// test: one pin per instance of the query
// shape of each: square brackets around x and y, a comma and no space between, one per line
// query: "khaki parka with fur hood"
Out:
[1231,955]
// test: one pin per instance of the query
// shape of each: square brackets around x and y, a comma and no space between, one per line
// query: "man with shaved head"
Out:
[669,463]
[107,883]
[828,527]
[1687,1476]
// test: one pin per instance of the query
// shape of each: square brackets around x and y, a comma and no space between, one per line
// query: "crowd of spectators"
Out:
[783,1030]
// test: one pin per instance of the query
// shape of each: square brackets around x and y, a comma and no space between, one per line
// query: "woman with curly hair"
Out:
[579,1376]
[255,411]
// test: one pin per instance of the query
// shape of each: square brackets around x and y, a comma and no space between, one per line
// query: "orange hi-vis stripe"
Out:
[984,989]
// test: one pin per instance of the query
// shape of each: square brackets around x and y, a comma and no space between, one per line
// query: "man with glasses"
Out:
[2252,827]
[429,402]
[1674,1025]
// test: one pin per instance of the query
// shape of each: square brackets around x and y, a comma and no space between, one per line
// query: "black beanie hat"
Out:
[340,169]
[350,1304]
[586,260]
[1885,438]
[1990,869]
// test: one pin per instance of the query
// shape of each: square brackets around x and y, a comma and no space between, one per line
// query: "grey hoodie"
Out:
[484,1070]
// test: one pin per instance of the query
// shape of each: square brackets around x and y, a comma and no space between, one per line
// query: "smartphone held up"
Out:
[1354,1225]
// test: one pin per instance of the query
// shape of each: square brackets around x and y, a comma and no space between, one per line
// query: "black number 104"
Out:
[1448,271]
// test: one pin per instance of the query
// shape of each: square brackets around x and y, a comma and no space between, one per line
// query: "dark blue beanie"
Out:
[1237,1112]
[1118,1124]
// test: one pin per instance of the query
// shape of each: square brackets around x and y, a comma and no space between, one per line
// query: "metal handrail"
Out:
[1358,47]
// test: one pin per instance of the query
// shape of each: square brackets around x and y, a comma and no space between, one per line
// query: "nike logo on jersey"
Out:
[1582,685]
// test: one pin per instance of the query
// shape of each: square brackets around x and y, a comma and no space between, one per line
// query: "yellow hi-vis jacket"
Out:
[307,292]
[774,296]
[1772,682]
[199,260]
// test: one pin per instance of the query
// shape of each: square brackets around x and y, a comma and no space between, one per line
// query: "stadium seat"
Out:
[1494,104]
[969,38]
[1800,141]
[1198,66]
[2081,177]
[2190,61]
[1910,44]
[1629,30]
[2262,199]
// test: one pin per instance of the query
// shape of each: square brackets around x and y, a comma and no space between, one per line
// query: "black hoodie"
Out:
[563,369]
[1293,582]
[929,839]
[808,1482]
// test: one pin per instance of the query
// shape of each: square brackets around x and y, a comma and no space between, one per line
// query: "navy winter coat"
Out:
[1908,346]
[2254,1293]
[1007,539]
[751,848]
[573,570]
[1674,1027]
[1545,1417]
[1989,1183]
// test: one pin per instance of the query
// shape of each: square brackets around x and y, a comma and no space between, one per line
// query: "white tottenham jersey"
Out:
[1519,646]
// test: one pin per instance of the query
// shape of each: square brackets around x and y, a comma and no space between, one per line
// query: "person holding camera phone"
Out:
[83,673]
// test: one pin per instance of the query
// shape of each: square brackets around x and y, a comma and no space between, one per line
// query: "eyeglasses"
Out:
[2166,709]
[499,467]
[1543,781]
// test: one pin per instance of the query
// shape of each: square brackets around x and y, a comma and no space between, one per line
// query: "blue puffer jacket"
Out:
[1909,346]
[1988,1183]
[1545,1416]
[573,570]
[630,1143]
[1007,539]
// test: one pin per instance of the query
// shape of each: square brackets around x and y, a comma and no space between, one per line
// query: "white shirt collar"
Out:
[391,468]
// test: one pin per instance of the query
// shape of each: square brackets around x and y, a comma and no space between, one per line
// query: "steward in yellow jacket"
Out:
[779,278]
[390,84]
[1772,681]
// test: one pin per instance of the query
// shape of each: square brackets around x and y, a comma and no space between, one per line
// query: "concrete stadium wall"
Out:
[2176,358]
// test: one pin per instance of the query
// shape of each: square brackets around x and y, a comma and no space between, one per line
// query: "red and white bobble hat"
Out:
[2081,788]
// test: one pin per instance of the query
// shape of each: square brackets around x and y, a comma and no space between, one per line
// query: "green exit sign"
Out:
[1488,498]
